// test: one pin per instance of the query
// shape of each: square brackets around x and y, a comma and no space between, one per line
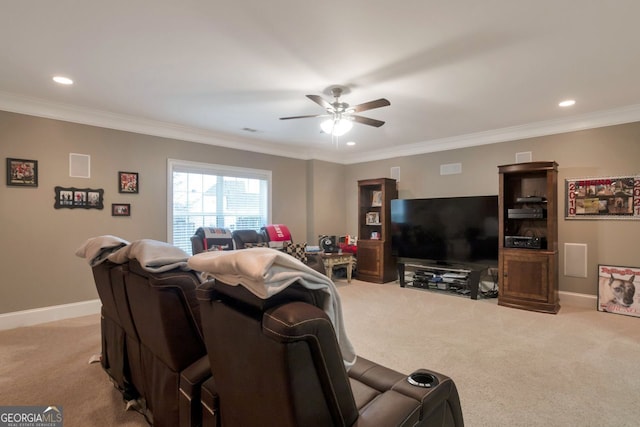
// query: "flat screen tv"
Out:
[449,230]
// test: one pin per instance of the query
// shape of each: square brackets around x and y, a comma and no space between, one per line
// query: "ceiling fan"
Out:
[340,114]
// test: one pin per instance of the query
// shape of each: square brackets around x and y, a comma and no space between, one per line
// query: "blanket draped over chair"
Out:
[265,272]
[153,255]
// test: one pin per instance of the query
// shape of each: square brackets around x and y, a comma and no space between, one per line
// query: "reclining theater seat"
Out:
[211,238]
[247,238]
[166,315]
[151,331]
[279,237]
[120,354]
[277,362]
[120,345]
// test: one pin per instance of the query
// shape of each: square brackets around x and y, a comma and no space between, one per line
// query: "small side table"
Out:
[333,260]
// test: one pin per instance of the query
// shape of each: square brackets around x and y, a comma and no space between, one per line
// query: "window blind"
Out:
[208,195]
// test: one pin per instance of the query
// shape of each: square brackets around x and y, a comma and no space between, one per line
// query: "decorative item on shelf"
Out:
[613,197]
[617,290]
[373,218]
[328,244]
[376,199]
[348,239]
[375,235]
[71,198]
[22,172]
[128,182]
[120,209]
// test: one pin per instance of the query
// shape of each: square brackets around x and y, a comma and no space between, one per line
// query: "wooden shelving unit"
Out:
[375,262]
[528,240]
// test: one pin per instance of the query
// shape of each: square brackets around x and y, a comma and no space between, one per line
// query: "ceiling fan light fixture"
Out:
[336,127]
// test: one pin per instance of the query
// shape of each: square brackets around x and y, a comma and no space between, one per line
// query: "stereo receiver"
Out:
[525,242]
[527,213]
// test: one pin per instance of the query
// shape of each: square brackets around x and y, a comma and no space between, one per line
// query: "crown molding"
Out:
[105,119]
[594,120]
[70,113]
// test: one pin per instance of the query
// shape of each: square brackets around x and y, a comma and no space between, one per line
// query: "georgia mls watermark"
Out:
[31,416]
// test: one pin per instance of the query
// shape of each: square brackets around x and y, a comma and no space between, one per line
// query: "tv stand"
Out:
[441,276]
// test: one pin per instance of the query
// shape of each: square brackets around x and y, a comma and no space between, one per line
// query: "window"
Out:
[205,195]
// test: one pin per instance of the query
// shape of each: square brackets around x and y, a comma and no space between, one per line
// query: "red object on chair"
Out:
[277,233]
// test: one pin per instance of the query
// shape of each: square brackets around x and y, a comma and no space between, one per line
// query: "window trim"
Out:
[216,169]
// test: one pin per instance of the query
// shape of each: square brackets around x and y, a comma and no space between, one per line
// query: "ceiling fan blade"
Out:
[320,101]
[382,102]
[367,121]
[302,117]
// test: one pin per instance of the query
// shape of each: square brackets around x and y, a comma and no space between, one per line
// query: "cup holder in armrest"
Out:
[422,379]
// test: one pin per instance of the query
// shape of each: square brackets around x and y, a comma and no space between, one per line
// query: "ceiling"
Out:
[457,73]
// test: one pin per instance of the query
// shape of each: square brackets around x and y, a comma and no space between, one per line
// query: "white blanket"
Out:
[265,272]
[153,255]
[96,249]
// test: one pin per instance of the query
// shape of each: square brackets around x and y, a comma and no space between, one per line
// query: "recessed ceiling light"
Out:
[567,103]
[63,80]
[351,143]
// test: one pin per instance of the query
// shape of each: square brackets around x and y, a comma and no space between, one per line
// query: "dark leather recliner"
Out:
[153,347]
[244,238]
[166,315]
[208,238]
[119,340]
[276,361]
[279,237]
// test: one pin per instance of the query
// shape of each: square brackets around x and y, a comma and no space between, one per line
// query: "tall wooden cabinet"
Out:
[375,262]
[528,244]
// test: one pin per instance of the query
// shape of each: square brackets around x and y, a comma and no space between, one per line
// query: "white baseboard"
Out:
[35,316]
[578,300]
[66,311]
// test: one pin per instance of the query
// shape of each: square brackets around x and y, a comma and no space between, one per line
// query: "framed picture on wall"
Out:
[22,172]
[128,182]
[86,198]
[608,197]
[120,209]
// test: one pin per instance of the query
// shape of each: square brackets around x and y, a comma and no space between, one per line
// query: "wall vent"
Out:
[575,260]
[79,165]
[524,157]
[395,173]
[451,169]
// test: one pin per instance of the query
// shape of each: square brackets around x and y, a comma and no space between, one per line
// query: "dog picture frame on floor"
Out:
[617,290]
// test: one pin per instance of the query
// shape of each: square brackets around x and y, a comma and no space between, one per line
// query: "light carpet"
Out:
[511,367]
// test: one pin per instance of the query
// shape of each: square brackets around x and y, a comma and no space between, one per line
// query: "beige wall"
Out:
[326,200]
[313,197]
[38,264]
[608,151]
